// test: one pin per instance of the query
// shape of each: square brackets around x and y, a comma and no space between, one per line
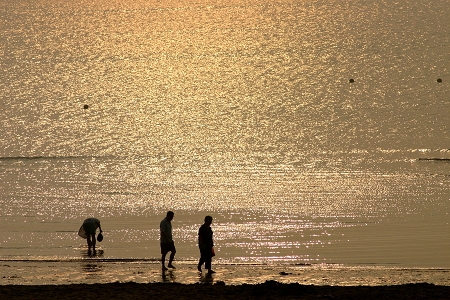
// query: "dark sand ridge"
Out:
[267,290]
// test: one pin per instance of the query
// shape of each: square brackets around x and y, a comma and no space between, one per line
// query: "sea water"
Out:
[313,132]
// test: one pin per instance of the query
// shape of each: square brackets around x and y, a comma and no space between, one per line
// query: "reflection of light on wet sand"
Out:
[92,268]
[44,272]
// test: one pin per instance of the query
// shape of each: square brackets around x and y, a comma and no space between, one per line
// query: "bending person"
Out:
[90,226]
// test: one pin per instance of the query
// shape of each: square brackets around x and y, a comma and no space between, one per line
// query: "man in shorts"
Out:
[167,244]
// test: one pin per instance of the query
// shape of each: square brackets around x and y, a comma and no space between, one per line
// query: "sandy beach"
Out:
[268,290]
[129,280]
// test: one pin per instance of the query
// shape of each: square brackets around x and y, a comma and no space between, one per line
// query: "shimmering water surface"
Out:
[243,110]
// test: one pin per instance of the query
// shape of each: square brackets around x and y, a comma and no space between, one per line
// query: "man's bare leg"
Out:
[163,261]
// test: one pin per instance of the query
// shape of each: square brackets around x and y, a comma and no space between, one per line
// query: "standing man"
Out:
[206,244]
[167,244]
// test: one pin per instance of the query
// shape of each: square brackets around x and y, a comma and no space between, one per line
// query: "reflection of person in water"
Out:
[90,226]
[206,244]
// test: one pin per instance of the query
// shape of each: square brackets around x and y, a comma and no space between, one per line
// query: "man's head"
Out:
[208,220]
[170,215]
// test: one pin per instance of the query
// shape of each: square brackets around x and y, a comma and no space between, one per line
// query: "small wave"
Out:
[434,159]
[14,158]
[80,259]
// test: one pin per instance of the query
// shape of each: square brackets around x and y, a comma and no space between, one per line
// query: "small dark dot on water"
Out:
[439,80]
[351,80]
[86,106]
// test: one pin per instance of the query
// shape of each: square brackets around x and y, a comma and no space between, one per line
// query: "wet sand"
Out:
[104,271]
[267,290]
[109,279]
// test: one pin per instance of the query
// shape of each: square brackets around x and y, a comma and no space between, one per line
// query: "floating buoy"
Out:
[86,106]
[351,80]
[439,80]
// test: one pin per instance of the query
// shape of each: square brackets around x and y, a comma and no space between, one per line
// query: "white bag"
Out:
[82,233]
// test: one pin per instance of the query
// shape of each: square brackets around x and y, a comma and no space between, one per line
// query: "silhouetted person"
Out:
[90,226]
[167,244]
[206,244]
